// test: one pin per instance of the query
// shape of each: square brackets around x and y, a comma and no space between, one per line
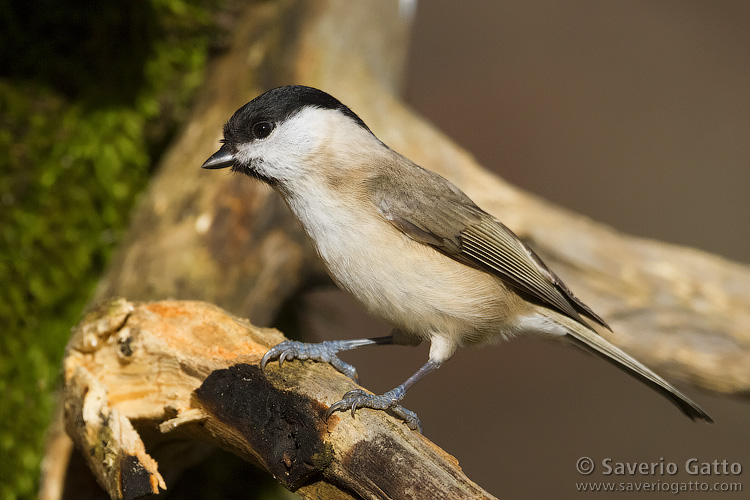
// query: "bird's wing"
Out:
[432,211]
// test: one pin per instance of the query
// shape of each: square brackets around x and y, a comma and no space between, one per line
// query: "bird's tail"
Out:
[593,342]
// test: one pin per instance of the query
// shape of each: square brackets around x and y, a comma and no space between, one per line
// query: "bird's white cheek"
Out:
[245,154]
[278,157]
[261,159]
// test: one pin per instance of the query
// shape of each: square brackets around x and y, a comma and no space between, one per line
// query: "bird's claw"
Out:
[358,398]
[323,351]
[352,400]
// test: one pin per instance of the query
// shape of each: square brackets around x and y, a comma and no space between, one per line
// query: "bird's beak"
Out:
[223,158]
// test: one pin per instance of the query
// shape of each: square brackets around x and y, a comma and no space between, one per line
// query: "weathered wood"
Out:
[190,369]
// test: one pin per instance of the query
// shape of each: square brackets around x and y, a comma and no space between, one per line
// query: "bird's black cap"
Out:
[277,105]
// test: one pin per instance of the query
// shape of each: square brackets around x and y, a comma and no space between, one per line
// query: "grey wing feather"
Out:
[432,211]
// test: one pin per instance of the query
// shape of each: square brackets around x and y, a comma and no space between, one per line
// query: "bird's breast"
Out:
[408,284]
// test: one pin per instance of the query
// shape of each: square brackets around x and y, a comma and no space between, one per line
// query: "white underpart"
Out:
[537,323]
[441,349]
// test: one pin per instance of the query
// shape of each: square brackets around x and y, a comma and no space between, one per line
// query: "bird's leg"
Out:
[323,351]
[358,398]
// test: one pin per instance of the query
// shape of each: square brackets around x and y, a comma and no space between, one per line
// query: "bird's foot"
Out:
[323,351]
[389,401]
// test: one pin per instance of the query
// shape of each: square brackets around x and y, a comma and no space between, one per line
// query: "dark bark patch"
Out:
[284,428]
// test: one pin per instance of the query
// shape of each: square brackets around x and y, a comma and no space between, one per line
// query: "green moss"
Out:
[88,100]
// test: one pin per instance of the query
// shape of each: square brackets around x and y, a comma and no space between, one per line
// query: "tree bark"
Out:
[231,241]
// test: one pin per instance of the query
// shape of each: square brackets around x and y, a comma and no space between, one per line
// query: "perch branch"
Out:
[184,369]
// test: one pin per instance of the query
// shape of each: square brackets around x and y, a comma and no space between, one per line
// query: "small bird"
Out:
[411,247]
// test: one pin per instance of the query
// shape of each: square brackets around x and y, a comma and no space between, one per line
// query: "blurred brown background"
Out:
[634,113]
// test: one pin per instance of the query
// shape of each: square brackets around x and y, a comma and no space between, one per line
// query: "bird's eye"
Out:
[261,130]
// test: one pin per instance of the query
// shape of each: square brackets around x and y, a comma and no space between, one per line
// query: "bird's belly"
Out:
[417,289]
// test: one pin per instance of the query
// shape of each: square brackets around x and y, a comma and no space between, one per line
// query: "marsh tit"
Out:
[410,246]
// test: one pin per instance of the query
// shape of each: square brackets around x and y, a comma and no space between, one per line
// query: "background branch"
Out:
[232,242]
